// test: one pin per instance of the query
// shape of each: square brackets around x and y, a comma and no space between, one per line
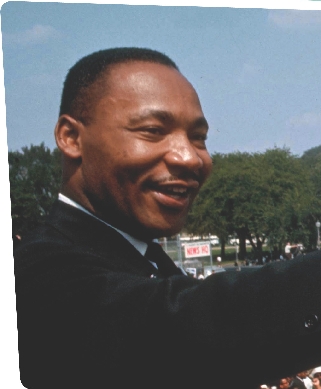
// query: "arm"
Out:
[94,315]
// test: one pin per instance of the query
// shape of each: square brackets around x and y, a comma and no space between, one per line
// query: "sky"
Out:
[257,72]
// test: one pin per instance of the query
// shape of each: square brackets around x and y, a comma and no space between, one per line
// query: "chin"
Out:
[165,231]
[157,227]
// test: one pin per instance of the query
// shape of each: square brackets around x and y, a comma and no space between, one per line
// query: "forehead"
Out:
[147,80]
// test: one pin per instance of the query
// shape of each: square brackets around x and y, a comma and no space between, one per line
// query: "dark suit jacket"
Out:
[91,316]
[297,384]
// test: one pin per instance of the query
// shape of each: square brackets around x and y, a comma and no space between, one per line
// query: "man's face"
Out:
[284,383]
[143,154]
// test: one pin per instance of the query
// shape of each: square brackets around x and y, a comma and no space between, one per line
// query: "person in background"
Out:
[315,376]
[287,250]
[316,371]
[316,381]
[283,383]
[300,381]
[306,379]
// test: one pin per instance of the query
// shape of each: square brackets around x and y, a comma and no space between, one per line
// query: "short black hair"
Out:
[75,99]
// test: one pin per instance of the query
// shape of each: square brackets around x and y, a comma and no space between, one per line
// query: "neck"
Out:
[110,216]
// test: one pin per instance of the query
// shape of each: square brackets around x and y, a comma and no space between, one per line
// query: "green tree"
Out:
[312,161]
[212,210]
[258,196]
[35,175]
[309,156]
[291,195]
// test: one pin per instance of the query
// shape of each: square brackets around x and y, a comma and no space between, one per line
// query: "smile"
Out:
[177,192]
[173,196]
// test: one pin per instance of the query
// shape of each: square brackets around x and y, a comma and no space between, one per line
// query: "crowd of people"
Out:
[306,379]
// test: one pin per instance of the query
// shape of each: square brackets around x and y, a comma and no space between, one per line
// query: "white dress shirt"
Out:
[138,244]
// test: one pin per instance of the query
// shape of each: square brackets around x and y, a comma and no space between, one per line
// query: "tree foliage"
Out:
[261,197]
[35,175]
[269,197]
[312,161]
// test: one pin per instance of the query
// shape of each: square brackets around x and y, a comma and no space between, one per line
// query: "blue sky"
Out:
[257,71]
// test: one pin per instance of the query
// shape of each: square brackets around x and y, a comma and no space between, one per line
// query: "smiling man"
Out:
[138,158]
[99,304]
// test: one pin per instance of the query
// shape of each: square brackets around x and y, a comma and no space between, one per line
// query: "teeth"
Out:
[179,190]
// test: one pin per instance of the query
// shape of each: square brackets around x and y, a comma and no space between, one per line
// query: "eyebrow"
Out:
[165,117]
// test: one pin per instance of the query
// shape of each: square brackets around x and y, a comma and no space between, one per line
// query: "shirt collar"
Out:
[138,244]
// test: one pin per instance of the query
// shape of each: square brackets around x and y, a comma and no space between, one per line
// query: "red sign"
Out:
[199,249]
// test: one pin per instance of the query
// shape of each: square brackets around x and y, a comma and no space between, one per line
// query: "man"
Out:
[287,250]
[97,304]
[282,383]
[301,381]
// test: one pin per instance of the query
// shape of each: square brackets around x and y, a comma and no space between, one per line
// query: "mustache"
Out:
[187,176]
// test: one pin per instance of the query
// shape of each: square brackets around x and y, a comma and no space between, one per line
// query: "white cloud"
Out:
[308,119]
[35,35]
[292,19]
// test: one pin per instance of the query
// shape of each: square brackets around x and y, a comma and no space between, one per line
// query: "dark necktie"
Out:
[165,265]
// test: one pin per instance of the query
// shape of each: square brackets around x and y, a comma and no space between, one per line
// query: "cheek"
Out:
[136,161]
[143,155]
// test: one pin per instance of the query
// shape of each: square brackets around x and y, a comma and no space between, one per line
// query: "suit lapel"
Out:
[98,238]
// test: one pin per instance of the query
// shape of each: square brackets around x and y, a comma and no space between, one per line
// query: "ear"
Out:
[68,136]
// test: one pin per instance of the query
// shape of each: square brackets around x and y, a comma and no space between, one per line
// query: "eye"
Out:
[153,133]
[198,134]
[153,130]
[201,137]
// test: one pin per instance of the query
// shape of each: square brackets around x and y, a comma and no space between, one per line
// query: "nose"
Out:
[182,154]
